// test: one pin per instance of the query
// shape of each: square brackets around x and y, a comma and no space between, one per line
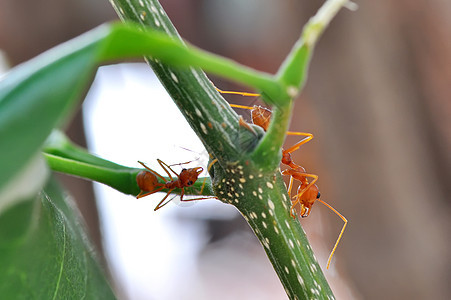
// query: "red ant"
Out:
[307,192]
[148,182]
[261,116]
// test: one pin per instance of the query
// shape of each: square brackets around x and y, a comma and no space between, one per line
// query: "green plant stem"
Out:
[65,157]
[169,50]
[247,177]
[292,73]
[59,145]
[208,113]
[264,155]
[121,180]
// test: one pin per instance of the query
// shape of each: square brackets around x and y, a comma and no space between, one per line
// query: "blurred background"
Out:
[377,101]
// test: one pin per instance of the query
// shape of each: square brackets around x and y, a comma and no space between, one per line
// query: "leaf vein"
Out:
[62,262]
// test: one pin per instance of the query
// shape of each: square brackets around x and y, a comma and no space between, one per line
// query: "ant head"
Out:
[286,158]
[308,198]
[189,176]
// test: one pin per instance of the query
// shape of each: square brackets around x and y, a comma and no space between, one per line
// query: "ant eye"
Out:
[183,170]
[190,183]
[319,195]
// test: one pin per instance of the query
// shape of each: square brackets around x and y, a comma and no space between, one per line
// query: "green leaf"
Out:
[41,94]
[44,251]
[38,96]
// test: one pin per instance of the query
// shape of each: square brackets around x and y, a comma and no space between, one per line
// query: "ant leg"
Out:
[298,196]
[210,165]
[142,194]
[152,171]
[241,106]
[315,178]
[200,198]
[160,205]
[341,232]
[193,199]
[308,137]
[163,164]
[203,185]
[238,93]
[290,186]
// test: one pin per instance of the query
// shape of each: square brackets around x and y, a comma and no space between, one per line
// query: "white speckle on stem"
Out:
[174,77]
[271,204]
[204,129]
[301,281]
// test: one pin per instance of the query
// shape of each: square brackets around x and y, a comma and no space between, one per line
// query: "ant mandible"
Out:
[148,182]
[307,192]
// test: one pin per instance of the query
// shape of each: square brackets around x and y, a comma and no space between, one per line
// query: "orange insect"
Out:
[148,182]
[308,191]
[261,116]
[307,194]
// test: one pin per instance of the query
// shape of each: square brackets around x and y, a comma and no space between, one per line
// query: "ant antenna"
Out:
[341,233]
